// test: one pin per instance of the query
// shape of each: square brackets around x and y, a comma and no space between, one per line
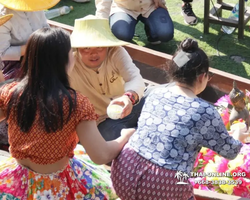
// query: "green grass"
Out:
[218,46]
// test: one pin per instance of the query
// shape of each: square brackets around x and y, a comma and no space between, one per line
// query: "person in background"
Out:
[3,20]
[28,17]
[106,74]
[124,15]
[46,120]
[3,126]
[173,126]
[188,14]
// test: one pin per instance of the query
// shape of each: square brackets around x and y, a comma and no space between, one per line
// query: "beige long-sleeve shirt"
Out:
[116,75]
[17,31]
[105,8]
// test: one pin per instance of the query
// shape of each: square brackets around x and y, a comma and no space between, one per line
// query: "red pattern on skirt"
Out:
[134,178]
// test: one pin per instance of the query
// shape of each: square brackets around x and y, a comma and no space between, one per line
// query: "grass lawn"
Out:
[220,47]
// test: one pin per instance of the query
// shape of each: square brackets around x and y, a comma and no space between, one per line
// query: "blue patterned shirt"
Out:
[172,129]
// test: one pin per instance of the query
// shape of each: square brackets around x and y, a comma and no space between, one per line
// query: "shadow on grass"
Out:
[220,47]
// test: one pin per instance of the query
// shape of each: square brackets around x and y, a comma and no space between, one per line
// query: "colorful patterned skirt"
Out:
[136,178]
[81,179]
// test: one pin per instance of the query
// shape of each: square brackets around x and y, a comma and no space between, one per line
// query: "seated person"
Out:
[106,74]
[173,126]
[124,15]
[28,17]
[3,126]
[47,118]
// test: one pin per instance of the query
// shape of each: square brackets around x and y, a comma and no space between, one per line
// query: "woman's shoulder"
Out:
[82,99]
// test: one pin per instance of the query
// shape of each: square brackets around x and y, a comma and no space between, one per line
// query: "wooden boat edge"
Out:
[222,81]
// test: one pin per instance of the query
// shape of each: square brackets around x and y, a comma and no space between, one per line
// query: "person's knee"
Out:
[122,31]
[166,36]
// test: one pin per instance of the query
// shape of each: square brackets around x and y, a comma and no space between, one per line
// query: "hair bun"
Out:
[189,45]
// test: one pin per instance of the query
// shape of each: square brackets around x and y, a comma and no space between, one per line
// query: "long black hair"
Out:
[43,86]
[197,64]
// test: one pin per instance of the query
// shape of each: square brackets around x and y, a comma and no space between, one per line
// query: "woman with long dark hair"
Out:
[46,120]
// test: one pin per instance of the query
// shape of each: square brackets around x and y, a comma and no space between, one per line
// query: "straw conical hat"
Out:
[92,31]
[5,18]
[29,5]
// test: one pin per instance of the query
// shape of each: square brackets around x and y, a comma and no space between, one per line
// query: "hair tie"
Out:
[182,58]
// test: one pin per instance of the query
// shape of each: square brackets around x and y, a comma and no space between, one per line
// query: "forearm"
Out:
[12,53]
[135,85]
[115,147]
[103,8]
[1,77]
[133,96]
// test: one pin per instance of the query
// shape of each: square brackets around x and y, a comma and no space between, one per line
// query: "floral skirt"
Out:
[81,179]
[136,178]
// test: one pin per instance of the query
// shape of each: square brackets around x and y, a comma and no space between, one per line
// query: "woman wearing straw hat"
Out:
[46,119]
[28,17]
[125,14]
[106,74]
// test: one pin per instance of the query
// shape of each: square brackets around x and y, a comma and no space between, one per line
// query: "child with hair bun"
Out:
[173,126]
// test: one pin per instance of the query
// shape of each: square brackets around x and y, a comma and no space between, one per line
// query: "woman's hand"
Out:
[239,135]
[125,102]
[159,3]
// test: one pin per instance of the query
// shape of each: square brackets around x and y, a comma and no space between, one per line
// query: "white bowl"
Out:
[241,125]
[114,111]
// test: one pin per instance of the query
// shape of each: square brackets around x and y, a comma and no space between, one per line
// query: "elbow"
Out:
[101,159]
[232,154]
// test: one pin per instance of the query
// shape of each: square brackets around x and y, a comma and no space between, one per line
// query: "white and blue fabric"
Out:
[172,129]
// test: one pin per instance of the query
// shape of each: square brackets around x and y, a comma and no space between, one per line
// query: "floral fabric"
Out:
[80,180]
[237,170]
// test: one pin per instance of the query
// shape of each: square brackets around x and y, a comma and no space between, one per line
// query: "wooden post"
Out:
[206,16]
[241,19]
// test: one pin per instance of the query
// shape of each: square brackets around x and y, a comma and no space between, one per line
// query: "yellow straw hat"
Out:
[5,18]
[92,31]
[29,5]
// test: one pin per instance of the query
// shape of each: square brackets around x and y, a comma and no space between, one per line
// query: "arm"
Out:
[219,139]
[7,51]
[130,73]
[103,8]
[1,76]
[100,151]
